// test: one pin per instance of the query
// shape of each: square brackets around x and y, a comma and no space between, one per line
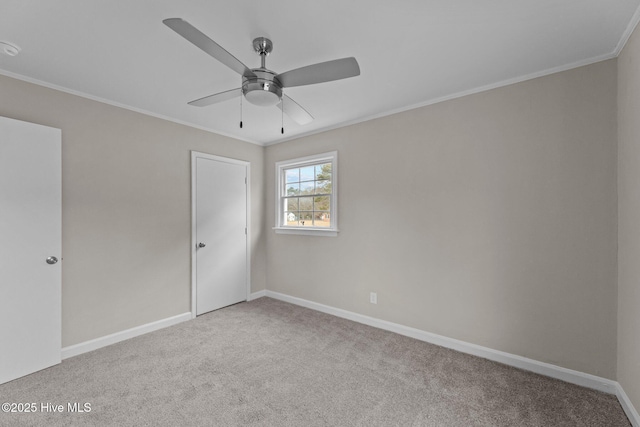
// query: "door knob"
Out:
[52,260]
[201,245]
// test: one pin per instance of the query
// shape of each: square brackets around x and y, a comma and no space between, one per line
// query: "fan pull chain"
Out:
[240,111]
[282,116]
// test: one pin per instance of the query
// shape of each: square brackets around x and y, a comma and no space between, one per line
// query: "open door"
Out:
[30,248]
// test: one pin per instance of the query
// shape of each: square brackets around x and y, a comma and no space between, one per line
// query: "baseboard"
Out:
[549,370]
[626,404]
[94,344]
[553,371]
[256,295]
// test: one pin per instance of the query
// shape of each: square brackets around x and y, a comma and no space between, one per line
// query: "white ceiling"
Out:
[411,52]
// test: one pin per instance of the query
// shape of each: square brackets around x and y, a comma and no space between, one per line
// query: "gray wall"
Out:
[489,218]
[629,219]
[126,208]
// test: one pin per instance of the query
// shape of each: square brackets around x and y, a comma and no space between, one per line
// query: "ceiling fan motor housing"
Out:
[264,89]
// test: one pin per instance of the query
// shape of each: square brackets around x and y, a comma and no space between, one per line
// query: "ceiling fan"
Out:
[261,86]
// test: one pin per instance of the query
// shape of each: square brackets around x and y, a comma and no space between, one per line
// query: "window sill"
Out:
[306,231]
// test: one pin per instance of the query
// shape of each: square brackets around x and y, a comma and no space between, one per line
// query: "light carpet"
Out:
[271,363]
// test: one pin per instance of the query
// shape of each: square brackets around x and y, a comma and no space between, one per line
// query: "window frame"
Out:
[280,228]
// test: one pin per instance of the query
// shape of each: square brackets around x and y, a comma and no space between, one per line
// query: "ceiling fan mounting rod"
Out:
[263,46]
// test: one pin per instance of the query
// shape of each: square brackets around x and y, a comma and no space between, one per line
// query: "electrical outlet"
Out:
[373,298]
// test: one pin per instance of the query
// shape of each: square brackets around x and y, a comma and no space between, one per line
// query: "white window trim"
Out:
[299,162]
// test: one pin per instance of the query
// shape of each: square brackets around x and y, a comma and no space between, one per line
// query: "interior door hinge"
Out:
[245,230]
[245,180]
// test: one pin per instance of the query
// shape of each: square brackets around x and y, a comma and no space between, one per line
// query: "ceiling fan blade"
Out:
[292,109]
[201,40]
[320,73]
[218,97]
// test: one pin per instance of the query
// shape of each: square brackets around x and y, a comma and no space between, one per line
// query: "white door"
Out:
[30,248]
[220,237]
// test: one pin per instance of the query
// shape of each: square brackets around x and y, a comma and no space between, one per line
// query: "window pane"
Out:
[291,205]
[306,173]
[307,187]
[306,203]
[322,203]
[321,219]
[306,219]
[292,175]
[323,187]
[323,171]
[293,189]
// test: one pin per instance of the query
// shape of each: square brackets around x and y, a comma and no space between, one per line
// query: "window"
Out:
[306,198]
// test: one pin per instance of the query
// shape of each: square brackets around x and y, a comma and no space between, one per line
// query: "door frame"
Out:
[199,155]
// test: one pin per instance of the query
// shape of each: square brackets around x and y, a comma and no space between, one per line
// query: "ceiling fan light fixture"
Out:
[263,92]
[262,98]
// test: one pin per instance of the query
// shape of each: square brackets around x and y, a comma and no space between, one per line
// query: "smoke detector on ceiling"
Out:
[9,49]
